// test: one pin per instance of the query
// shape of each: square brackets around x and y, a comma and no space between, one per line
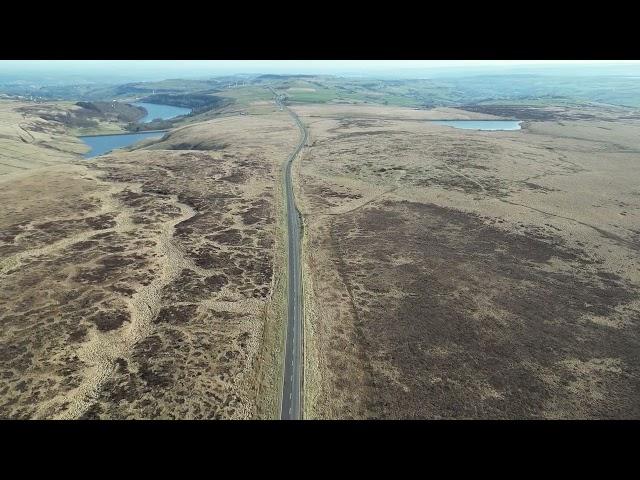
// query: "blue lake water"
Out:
[165,112]
[481,124]
[101,144]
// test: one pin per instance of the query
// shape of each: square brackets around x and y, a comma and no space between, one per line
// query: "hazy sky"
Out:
[139,70]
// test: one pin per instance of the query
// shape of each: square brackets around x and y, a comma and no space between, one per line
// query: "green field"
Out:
[422,93]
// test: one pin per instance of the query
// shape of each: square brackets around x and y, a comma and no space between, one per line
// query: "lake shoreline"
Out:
[122,133]
[99,144]
[104,144]
[158,111]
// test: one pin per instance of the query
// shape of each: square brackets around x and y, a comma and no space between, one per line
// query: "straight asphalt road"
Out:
[291,405]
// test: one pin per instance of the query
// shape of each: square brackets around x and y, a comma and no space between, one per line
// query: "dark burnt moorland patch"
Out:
[198,145]
[460,319]
[35,234]
[528,112]
[191,286]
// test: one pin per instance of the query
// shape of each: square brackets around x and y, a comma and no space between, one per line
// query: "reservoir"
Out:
[164,112]
[481,124]
[101,144]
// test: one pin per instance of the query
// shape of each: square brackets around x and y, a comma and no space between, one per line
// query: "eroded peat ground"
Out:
[143,284]
[465,274]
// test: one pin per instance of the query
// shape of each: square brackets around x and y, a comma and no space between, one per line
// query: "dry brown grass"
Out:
[344,112]
[27,141]
[463,274]
[143,284]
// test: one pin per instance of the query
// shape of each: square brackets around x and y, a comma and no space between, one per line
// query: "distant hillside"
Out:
[118,111]
[197,102]
[271,76]
[87,114]
[31,136]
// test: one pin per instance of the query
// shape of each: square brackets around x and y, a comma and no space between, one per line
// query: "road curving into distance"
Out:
[291,404]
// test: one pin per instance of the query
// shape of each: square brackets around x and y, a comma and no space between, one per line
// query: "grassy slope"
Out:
[28,141]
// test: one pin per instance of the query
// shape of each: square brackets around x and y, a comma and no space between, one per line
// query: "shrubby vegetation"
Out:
[118,111]
[157,124]
[198,103]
